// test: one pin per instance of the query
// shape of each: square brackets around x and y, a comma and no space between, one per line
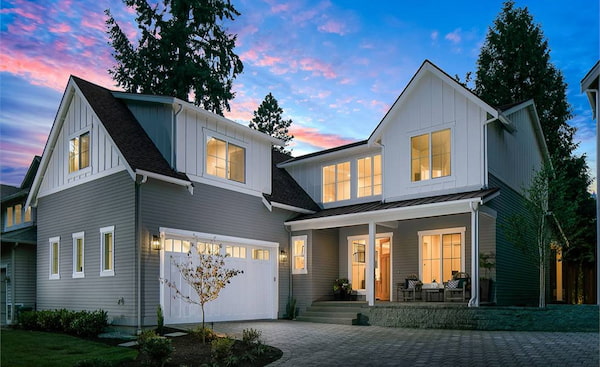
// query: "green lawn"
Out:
[36,348]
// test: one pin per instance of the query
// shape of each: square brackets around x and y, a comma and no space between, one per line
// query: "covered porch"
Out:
[378,246]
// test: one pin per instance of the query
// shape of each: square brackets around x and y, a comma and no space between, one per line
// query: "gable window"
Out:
[28,214]
[225,160]
[441,253]
[430,155]
[336,182]
[54,252]
[299,255]
[107,251]
[369,176]
[9,216]
[78,247]
[79,152]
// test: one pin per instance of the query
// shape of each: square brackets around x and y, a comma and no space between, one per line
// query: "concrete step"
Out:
[332,312]
[326,320]
[315,313]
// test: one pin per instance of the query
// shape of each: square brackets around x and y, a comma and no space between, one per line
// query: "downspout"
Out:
[138,251]
[474,301]
[290,282]
[595,116]
[174,135]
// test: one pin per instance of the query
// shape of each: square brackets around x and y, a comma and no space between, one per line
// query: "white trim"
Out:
[389,235]
[111,271]
[275,204]
[145,174]
[76,236]
[51,241]
[83,180]
[225,184]
[440,232]
[165,231]
[429,132]
[304,270]
[208,133]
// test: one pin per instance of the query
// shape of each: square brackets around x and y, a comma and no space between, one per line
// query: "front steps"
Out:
[332,312]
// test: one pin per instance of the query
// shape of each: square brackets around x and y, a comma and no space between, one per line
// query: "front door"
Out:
[382,269]
[358,252]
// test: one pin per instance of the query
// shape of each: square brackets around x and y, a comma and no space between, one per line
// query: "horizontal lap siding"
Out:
[25,275]
[324,263]
[210,210]
[109,201]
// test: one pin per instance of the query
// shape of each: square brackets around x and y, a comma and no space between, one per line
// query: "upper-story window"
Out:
[15,215]
[336,182]
[225,160]
[430,155]
[79,152]
[369,176]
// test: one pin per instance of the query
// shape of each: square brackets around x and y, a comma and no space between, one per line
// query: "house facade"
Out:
[18,251]
[128,182]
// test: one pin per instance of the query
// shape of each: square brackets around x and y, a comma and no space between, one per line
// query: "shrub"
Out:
[160,321]
[145,335]
[49,320]
[87,323]
[198,332]
[157,348]
[221,348]
[251,336]
[28,320]
[96,362]
[80,323]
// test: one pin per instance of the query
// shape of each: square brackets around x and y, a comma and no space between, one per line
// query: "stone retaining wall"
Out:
[553,318]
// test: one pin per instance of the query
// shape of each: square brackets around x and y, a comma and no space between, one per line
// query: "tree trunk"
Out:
[203,330]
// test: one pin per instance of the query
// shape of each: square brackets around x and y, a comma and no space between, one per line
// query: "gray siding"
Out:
[157,120]
[210,210]
[516,276]
[108,201]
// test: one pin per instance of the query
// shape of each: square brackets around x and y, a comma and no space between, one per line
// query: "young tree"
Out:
[268,119]
[203,269]
[183,48]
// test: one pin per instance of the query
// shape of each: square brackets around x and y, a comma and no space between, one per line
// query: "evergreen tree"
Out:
[267,119]
[514,65]
[183,49]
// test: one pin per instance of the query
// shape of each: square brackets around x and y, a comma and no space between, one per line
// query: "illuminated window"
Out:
[54,252]
[18,214]
[430,155]
[359,248]
[236,251]
[260,254]
[79,152]
[336,182]
[107,251]
[28,214]
[441,254]
[299,255]
[225,160]
[369,176]
[208,248]
[9,216]
[78,257]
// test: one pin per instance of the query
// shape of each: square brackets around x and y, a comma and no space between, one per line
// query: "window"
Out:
[236,251]
[260,254]
[299,255]
[54,252]
[9,216]
[79,152]
[359,270]
[208,248]
[18,214]
[225,160]
[336,182]
[28,214]
[107,251]
[369,176]
[442,254]
[78,247]
[430,155]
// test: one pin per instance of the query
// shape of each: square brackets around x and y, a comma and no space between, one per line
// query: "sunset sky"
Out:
[334,66]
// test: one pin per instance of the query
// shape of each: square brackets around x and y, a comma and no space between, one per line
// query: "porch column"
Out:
[474,301]
[370,276]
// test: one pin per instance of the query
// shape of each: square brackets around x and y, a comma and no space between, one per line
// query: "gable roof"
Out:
[9,193]
[324,152]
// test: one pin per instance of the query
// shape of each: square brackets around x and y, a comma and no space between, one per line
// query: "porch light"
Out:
[283,256]
[156,243]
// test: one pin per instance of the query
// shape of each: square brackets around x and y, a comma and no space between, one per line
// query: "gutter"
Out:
[474,301]
[146,174]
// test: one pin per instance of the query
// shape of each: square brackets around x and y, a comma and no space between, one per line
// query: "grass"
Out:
[41,349]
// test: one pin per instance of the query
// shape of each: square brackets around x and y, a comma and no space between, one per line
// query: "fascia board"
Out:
[329,156]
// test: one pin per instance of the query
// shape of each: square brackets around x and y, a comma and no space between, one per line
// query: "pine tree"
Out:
[183,49]
[268,119]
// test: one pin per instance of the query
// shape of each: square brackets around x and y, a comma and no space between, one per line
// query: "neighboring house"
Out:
[590,86]
[128,181]
[18,256]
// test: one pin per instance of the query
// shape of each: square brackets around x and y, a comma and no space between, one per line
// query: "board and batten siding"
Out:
[513,157]
[193,129]
[104,157]
[433,105]
[108,201]
[211,210]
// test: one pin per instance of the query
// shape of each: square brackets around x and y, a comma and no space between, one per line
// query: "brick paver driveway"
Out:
[309,344]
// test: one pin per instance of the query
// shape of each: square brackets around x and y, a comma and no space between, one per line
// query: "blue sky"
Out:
[334,66]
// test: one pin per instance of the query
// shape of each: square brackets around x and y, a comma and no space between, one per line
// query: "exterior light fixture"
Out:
[156,243]
[283,256]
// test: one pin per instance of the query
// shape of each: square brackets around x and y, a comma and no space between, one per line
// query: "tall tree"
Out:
[183,50]
[269,120]
[514,65]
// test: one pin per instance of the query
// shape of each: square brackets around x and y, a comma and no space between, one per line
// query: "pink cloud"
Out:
[317,67]
[312,136]
[86,41]
[333,26]
[250,55]
[268,61]
[22,12]
[242,109]
[96,25]
[60,28]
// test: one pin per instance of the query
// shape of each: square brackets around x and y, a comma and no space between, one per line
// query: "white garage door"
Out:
[250,296]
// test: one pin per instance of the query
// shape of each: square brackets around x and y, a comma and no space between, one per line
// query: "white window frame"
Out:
[430,170]
[372,175]
[210,134]
[304,270]
[78,135]
[78,236]
[337,182]
[440,232]
[51,241]
[111,271]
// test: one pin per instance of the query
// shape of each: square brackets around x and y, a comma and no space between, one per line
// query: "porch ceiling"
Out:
[393,211]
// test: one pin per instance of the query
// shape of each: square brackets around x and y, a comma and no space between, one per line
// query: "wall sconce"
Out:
[283,256]
[156,243]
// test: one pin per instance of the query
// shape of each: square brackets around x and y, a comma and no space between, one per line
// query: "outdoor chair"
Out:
[458,288]
[411,291]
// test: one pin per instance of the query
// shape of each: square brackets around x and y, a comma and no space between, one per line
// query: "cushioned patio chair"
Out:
[412,291]
[458,288]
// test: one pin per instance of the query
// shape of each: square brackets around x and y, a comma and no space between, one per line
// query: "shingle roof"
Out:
[378,205]
[7,190]
[285,190]
[132,141]
[24,235]
[330,150]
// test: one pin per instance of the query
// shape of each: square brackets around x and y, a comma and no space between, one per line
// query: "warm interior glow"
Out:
[336,182]
[429,163]
[441,262]
[358,264]
[440,153]
[420,157]
[225,160]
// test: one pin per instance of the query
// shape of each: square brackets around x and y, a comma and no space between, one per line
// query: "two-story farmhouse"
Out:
[129,181]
